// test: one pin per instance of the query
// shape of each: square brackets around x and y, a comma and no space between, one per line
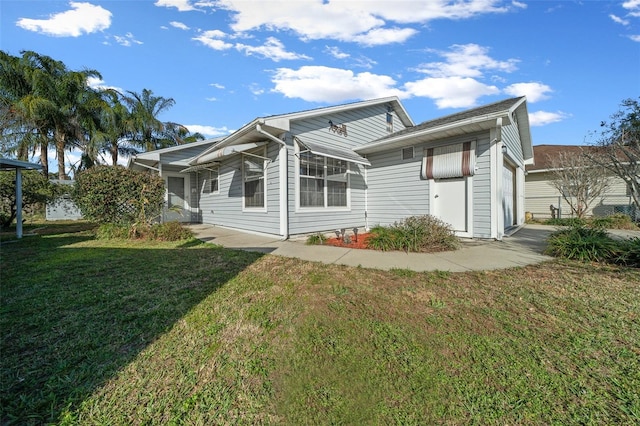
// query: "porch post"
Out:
[18,202]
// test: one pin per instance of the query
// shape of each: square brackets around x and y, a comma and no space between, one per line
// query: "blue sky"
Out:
[226,62]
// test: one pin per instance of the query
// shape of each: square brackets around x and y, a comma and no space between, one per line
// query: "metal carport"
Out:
[18,166]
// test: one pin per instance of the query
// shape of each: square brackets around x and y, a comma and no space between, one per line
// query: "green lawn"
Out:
[117,332]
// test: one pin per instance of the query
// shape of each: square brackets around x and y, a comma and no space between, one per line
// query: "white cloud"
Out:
[126,40]
[211,99]
[365,22]
[619,20]
[181,5]
[178,25]
[272,49]
[208,131]
[541,118]
[519,4]
[451,92]
[98,83]
[633,6]
[336,52]
[635,38]
[331,85]
[467,60]
[255,89]
[217,85]
[534,92]
[214,40]
[83,18]
[382,36]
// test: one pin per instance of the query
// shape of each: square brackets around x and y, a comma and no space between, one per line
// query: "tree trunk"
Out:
[44,158]
[60,145]
[114,154]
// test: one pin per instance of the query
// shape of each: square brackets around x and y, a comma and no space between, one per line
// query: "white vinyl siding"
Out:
[363,126]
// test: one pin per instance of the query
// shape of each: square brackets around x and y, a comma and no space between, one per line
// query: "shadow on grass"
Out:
[75,311]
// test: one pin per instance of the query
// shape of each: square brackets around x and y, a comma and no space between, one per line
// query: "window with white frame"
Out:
[323,181]
[210,182]
[253,178]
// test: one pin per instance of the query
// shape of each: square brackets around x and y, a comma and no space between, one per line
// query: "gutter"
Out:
[284,182]
[371,148]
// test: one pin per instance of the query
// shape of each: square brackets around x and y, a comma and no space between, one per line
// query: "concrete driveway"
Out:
[523,248]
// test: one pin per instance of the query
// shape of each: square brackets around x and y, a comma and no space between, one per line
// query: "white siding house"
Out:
[354,165]
[541,195]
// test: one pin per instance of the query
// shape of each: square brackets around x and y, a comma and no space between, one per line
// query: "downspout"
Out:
[497,210]
[366,200]
[284,182]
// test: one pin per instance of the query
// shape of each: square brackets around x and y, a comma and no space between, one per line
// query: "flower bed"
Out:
[350,242]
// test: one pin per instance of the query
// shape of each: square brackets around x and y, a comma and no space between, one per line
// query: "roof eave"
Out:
[391,142]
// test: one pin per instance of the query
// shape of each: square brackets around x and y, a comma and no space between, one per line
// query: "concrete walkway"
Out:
[523,248]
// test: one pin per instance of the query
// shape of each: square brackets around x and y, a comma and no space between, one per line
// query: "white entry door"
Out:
[450,202]
[508,195]
[176,202]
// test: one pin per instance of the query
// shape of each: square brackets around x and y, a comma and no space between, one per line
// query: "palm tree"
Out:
[150,133]
[23,127]
[49,100]
[116,126]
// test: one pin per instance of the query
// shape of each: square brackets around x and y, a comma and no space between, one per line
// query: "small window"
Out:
[407,153]
[210,182]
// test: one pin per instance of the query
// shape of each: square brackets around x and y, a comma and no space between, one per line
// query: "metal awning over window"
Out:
[222,153]
[337,153]
[206,166]
[450,161]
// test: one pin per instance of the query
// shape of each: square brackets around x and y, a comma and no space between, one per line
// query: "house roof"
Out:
[277,124]
[465,122]
[151,158]
[544,154]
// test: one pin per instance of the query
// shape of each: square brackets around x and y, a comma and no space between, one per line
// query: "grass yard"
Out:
[127,332]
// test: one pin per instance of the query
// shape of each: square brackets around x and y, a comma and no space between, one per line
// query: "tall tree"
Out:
[150,133]
[580,182]
[50,100]
[619,146]
[20,130]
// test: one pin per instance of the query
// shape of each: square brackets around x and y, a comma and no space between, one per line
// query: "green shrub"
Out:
[628,253]
[170,231]
[566,221]
[581,243]
[415,234]
[111,231]
[113,194]
[614,221]
[36,191]
[316,239]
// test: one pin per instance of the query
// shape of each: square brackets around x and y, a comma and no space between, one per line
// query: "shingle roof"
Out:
[460,116]
[543,155]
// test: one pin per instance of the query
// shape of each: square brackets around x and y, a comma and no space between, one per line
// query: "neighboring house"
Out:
[354,165]
[62,208]
[541,194]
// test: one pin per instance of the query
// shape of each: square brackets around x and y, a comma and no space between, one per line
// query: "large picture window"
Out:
[253,180]
[323,181]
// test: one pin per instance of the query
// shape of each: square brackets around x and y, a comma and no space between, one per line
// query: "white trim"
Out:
[325,208]
[262,209]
